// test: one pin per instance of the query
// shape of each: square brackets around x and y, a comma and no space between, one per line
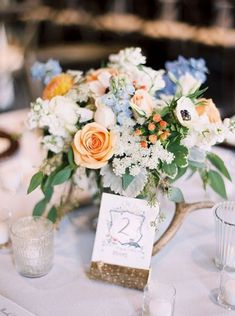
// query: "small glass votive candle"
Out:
[225,234]
[159,299]
[5,217]
[33,245]
[226,296]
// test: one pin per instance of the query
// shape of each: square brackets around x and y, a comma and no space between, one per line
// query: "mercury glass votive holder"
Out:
[225,234]
[159,299]
[33,245]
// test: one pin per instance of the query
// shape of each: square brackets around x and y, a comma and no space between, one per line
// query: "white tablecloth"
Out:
[186,262]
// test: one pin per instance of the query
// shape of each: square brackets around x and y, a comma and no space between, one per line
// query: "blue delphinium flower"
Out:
[118,98]
[45,71]
[120,106]
[180,67]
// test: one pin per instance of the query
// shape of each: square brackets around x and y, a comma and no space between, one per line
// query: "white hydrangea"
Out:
[80,93]
[56,144]
[39,109]
[127,57]
[129,60]
[59,116]
[204,136]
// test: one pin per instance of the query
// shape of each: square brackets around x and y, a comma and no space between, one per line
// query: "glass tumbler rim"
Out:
[169,285]
[215,209]
[44,235]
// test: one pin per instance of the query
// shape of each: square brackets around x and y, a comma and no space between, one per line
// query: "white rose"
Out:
[64,109]
[84,114]
[104,115]
[186,113]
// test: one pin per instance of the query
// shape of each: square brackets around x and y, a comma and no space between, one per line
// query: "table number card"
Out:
[9,308]
[124,241]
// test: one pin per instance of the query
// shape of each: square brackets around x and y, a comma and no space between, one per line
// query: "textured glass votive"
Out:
[159,299]
[33,245]
[5,217]
[226,297]
[225,234]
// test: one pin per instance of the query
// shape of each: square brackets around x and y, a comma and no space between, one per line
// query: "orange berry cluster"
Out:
[155,129]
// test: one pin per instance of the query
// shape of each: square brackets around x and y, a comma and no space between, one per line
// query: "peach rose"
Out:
[142,103]
[209,109]
[93,146]
[99,80]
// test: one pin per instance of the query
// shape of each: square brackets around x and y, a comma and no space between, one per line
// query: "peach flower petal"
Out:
[93,146]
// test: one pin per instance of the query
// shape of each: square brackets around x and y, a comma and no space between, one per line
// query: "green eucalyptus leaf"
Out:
[52,214]
[196,164]
[36,181]
[40,208]
[219,164]
[62,176]
[48,192]
[175,195]
[216,182]
[71,158]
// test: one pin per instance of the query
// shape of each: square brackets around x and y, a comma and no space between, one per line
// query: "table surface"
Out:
[186,262]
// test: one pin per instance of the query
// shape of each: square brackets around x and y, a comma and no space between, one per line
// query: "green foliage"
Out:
[216,182]
[180,173]
[170,169]
[175,194]
[197,93]
[166,110]
[219,164]
[35,181]
[196,164]
[71,159]
[52,214]
[40,207]
[126,180]
[181,154]
[62,176]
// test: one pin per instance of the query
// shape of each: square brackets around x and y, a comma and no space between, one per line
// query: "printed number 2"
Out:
[121,231]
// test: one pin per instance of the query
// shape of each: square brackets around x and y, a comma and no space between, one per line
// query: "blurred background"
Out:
[81,34]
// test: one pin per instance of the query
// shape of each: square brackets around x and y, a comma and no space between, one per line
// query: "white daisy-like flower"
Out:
[185,112]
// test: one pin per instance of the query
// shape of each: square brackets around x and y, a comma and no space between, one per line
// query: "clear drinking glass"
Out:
[33,245]
[159,299]
[225,234]
[226,296]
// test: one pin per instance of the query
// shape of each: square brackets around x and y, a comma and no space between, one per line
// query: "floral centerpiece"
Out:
[126,128]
